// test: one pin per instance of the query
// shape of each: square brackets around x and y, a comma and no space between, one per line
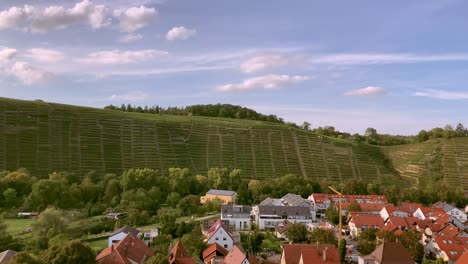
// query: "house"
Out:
[291,207]
[388,253]
[321,201]
[449,249]
[214,253]
[280,229]
[309,253]
[220,234]
[179,255]
[374,208]
[227,197]
[129,250]
[6,255]
[237,216]
[121,233]
[457,213]
[236,256]
[391,210]
[397,224]
[360,221]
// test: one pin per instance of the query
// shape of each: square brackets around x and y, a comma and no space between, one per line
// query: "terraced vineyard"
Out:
[46,137]
[446,159]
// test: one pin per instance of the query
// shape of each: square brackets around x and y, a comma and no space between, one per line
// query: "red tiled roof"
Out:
[179,255]
[453,247]
[292,252]
[235,256]
[449,231]
[314,256]
[212,251]
[363,219]
[366,207]
[217,225]
[463,259]
[129,248]
[322,197]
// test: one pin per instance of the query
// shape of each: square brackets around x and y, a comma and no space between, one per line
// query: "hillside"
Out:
[46,137]
[433,160]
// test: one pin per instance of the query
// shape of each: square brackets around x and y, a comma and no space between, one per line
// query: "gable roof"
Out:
[179,255]
[127,230]
[449,230]
[129,250]
[292,252]
[221,192]
[6,255]
[213,250]
[215,227]
[365,219]
[391,253]
[235,256]
[453,247]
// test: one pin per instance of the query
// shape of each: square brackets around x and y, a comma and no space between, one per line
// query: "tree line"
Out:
[209,110]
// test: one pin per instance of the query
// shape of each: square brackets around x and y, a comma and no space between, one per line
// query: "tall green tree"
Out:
[71,252]
[411,240]
[50,223]
[24,258]
[342,249]
[332,214]
[296,233]
[367,241]
[323,236]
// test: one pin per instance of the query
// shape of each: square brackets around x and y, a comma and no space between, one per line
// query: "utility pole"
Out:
[340,225]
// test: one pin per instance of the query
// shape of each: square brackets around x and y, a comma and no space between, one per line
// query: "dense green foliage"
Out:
[209,110]
[323,236]
[297,233]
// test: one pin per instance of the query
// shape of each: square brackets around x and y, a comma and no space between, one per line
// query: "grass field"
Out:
[47,137]
[17,225]
[99,244]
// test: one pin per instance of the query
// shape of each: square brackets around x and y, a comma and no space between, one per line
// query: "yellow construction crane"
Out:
[340,225]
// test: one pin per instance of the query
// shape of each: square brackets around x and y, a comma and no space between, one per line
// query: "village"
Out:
[440,230]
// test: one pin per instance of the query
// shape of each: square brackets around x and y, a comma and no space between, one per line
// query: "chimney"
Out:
[325,254]
[112,247]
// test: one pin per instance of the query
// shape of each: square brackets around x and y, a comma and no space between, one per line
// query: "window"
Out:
[224,238]
[216,238]
[225,245]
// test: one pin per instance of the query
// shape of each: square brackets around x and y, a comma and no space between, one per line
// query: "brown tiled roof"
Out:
[212,251]
[292,252]
[179,255]
[235,256]
[391,253]
[129,247]
[282,226]
[126,229]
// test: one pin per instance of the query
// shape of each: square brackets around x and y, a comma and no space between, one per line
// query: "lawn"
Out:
[99,244]
[17,225]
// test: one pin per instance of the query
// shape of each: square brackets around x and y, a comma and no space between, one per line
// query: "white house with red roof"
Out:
[236,256]
[361,221]
[322,201]
[449,249]
[218,233]
[457,213]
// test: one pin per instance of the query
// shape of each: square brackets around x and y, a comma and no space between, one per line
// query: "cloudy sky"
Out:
[397,66]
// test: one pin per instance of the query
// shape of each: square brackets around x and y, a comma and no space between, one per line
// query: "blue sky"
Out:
[397,66]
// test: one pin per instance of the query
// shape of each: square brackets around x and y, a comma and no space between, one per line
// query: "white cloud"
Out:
[28,74]
[263,82]
[264,62]
[7,54]
[121,57]
[130,38]
[442,94]
[132,96]
[351,59]
[58,17]
[14,16]
[134,18]
[367,91]
[180,33]
[45,55]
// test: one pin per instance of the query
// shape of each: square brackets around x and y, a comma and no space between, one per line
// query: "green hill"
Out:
[46,137]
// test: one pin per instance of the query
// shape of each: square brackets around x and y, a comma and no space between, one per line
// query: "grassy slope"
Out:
[46,137]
